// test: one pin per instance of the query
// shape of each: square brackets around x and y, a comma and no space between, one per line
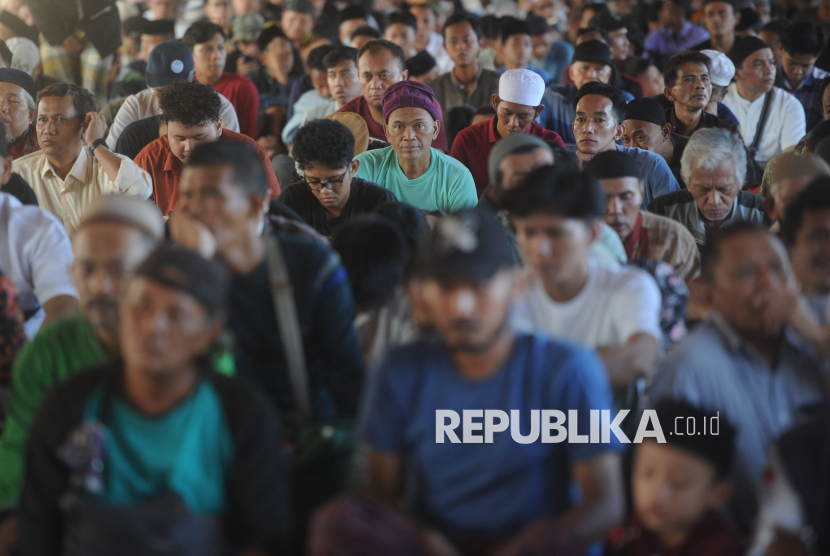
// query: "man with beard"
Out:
[17,111]
[113,238]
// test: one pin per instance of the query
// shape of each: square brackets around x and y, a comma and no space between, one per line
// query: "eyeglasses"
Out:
[331,185]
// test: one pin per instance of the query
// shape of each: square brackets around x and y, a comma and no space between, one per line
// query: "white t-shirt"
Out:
[615,303]
[36,255]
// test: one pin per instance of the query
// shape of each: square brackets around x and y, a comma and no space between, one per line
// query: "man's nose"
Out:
[465,302]
[615,206]
[100,282]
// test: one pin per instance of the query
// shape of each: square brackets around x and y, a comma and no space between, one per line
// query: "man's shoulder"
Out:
[473,133]
[28,162]
[786,99]
[371,190]
[70,334]
[617,278]
[374,157]
[750,200]
[355,105]
[675,198]
[642,156]
[664,226]
[489,76]
[449,162]
[155,150]
[228,135]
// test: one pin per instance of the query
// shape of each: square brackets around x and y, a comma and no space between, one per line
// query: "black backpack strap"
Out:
[762,122]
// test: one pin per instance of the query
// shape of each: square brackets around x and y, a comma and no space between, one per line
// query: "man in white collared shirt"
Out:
[64,174]
[755,76]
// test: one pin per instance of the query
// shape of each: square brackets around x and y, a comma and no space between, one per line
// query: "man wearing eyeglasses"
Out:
[330,195]
[191,112]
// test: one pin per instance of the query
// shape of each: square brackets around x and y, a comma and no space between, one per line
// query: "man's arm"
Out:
[635,359]
[794,123]
[661,181]
[602,507]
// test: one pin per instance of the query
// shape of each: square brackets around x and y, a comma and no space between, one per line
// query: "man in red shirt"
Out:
[517,105]
[381,64]
[191,112]
[207,42]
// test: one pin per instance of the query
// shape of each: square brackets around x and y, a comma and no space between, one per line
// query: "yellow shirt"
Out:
[67,199]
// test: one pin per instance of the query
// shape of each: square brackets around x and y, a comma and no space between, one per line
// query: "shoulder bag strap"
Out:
[762,121]
[282,294]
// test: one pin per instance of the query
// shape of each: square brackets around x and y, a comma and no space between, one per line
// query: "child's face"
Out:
[673,489]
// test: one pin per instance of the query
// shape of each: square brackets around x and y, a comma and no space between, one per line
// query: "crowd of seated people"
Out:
[414,278]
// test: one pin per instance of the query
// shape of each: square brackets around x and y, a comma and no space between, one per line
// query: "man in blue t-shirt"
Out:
[477,487]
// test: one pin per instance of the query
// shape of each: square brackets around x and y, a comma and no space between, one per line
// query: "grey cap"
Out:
[507,146]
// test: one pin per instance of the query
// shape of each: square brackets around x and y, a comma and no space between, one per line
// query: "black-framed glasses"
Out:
[331,185]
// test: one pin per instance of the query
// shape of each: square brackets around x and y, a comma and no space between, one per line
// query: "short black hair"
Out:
[564,192]
[366,31]
[351,12]
[190,103]
[511,26]
[821,87]
[410,221]
[463,17]
[672,68]
[340,54]
[375,255]
[201,32]
[490,27]
[606,38]
[486,110]
[457,119]
[82,100]
[317,56]
[711,254]
[401,17]
[608,91]
[803,38]
[637,66]
[777,26]
[269,35]
[685,4]
[247,171]
[814,197]
[732,3]
[599,8]
[324,142]
[376,45]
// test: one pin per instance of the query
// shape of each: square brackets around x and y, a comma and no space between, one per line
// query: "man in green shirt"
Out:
[115,235]
[415,172]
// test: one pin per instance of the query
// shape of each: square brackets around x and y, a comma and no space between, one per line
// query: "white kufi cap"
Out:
[521,86]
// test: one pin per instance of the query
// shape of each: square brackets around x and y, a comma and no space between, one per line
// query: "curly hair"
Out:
[190,103]
[82,99]
[324,142]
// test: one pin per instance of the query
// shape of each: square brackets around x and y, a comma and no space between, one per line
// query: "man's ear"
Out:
[769,206]
[258,204]
[596,229]
[619,132]
[386,132]
[667,92]
[437,129]
[354,166]
[666,131]
[219,127]
[405,75]
[32,116]
[780,50]
[539,110]
[737,18]
[495,100]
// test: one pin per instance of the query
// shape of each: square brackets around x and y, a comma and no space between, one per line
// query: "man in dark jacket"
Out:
[81,38]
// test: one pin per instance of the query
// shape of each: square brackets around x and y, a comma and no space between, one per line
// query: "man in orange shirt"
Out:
[191,112]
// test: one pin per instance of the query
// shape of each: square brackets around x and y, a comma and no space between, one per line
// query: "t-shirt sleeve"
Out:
[661,181]
[463,194]
[127,114]
[248,97]
[583,386]
[637,306]
[794,124]
[385,418]
[366,169]
[51,258]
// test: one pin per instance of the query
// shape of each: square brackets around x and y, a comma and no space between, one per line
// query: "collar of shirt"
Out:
[171,164]
[492,133]
[79,170]
[736,344]
[458,83]
[744,103]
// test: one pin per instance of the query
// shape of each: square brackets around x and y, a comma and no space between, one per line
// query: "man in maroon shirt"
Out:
[517,105]
[207,42]
[381,64]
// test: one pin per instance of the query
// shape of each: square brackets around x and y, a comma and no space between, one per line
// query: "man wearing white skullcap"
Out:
[721,74]
[517,105]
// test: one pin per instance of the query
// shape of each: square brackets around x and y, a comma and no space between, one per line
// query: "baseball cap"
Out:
[169,62]
[247,27]
[466,245]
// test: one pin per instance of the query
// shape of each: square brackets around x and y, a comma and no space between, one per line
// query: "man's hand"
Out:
[8,536]
[189,232]
[94,127]
[73,45]
[246,68]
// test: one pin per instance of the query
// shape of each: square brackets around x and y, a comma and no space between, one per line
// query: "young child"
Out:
[678,488]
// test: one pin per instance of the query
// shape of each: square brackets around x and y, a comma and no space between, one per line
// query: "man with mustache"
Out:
[114,236]
[784,125]
[411,168]
[713,166]
[18,111]
[644,235]
[518,103]
[381,64]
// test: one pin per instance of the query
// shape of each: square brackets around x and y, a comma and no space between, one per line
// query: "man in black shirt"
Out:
[330,194]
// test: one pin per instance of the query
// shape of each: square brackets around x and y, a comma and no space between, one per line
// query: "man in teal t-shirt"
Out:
[114,236]
[415,172]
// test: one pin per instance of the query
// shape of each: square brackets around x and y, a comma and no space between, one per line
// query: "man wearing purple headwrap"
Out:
[414,171]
